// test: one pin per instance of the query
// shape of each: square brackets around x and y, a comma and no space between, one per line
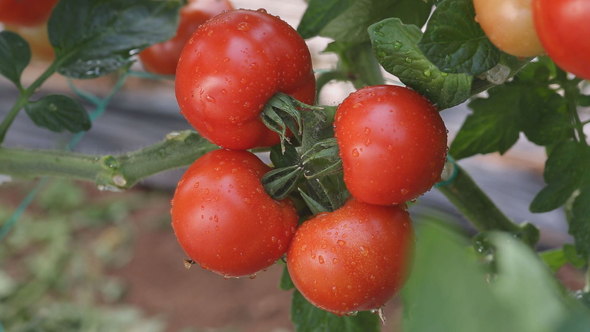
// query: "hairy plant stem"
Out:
[476,206]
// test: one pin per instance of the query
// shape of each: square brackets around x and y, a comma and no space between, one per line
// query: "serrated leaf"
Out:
[318,14]
[58,113]
[308,318]
[545,119]
[455,43]
[15,55]
[564,170]
[92,38]
[493,125]
[394,45]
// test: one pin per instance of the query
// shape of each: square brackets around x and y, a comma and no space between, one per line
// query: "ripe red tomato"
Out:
[355,258]
[162,58]
[223,218]
[231,67]
[25,12]
[393,144]
[564,29]
[509,25]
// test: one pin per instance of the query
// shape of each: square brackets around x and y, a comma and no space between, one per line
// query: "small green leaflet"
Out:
[455,43]
[15,55]
[58,113]
[318,14]
[394,45]
[308,318]
[92,38]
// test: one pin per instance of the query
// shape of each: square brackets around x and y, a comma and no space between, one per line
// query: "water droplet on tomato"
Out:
[253,65]
[243,26]
[355,153]
[210,98]
[364,251]
[261,10]
[321,259]
[341,243]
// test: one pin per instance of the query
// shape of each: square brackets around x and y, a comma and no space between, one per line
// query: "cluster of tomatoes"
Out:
[392,143]
[527,28]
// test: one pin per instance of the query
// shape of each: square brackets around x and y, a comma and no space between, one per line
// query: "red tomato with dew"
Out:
[564,29]
[223,218]
[393,144]
[353,259]
[229,69]
[162,58]
[26,12]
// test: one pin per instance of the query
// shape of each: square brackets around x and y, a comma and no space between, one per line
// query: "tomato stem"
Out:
[476,206]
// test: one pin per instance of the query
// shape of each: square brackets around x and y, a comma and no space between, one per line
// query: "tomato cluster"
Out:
[392,143]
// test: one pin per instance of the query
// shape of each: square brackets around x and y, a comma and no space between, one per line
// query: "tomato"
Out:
[509,25]
[162,58]
[355,258]
[564,28]
[37,38]
[25,12]
[392,142]
[223,218]
[231,67]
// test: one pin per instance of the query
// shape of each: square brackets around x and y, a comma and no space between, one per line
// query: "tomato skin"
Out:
[355,258]
[393,144]
[25,12]
[162,58]
[232,65]
[564,29]
[509,25]
[223,218]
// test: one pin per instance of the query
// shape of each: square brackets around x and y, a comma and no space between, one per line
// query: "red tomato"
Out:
[162,58]
[37,38]
[509,25]
[223,218]
[564,29]
[393,144]
[231,67]
[25,12]
[355,258]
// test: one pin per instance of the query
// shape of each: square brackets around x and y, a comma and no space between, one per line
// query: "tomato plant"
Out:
[37,38]
[509,25]
[231,67]
[223,218]
[25,12]
[563,29]
[355,258]
[392,142]
[162,58]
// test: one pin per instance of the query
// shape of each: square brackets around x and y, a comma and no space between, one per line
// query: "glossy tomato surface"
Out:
[25,12]
[564,29]
[223,218]
[162,58]
[231,67]
[509,25]
[393,144]
[355,258]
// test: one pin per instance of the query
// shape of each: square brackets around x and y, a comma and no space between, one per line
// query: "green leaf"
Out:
[394,44]
[455,43]
[315,206]
[579,225]
[571,256]
[286,283]
[544,117]
[413,12]
[308,318]
[92,38]
[584,100]
[554,259]
[493,126]
[563,174]
[279,182]
[58,113]
[358,63]
[318,14]
[15,55]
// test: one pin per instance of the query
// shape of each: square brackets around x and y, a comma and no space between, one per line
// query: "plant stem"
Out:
[23,99]
[473,203]
[108,172]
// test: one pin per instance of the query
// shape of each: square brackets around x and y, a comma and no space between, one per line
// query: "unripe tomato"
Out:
[509,25]
[232,65]
[223,218]
[564,29]
[355,258]
[37,38]
[162,58]
[25,12]
[393,144]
